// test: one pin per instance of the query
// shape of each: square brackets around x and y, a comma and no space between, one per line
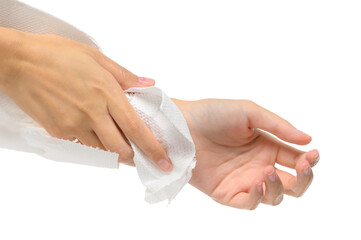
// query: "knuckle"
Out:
[87,48]
[298,194]
[128,154]
[277,127]
[100,86]
[219,193]
[125,154]
[52,36]
[97,120]
[91,51]
[55,38]
[124,74]
[54,132]
[83,47]
[128,76]
[92,112]
[89,110]
[58,133]
[71,124]
[248,102]
[104,86]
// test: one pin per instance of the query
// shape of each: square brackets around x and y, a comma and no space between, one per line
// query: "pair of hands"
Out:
[75,92]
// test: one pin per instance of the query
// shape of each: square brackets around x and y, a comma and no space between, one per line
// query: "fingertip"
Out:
[165,165]
[304,167]
[304,138]
[313,157]
[309,138]
[268,170]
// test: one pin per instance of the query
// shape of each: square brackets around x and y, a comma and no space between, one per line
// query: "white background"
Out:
[299,59]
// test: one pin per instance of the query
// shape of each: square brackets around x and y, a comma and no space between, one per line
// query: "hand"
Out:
[235,159]
[75,92]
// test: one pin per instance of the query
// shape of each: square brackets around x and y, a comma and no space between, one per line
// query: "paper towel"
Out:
[19,132]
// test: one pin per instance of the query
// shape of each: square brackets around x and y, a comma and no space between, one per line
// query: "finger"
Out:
[113,139]
[89,138]
[249,200]
[124,77]
[274,189]
[262,118]
[289,156]
[135,129]
[296,186]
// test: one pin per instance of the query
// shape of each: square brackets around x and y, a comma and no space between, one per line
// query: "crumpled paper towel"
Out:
[19,132]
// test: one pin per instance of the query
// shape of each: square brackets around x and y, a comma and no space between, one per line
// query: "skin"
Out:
[236,156]
[75,92]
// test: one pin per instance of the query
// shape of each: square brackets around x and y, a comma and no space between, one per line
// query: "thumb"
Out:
[125,78]
[262,118]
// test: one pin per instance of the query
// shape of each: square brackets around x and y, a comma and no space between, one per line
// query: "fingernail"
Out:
[145,81]
[316,158]
[307,170]
[260,187]
[272,176]
[164,165]
[279,199]
[314,162]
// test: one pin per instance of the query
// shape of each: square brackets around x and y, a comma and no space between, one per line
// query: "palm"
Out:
[231,155]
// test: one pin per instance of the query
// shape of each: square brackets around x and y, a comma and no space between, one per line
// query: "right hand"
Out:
[236,160]
[75,92]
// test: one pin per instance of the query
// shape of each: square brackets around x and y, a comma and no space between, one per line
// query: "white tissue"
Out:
[168,125]
[19,132]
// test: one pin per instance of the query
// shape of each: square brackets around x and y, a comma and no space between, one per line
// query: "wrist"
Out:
[11,46]
[184,107]
[188,109]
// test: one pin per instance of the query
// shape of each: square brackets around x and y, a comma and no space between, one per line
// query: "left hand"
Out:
[75,92]
[235,160]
